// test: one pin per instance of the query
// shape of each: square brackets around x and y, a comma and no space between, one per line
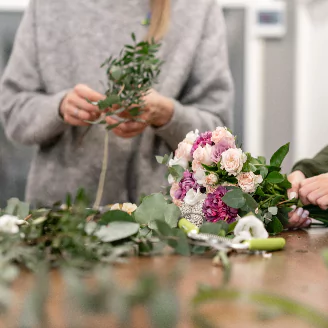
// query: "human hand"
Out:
[315,191]
[295,178]
[158,111]
[298,218]
[74,108]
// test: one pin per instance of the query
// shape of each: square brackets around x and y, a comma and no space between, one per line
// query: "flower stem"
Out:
[103,173]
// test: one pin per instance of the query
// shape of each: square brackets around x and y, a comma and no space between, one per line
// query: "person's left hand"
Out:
[158,111]
[298,218]
[315,191]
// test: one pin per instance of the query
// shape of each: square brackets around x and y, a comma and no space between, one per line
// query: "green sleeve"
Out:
[317,165]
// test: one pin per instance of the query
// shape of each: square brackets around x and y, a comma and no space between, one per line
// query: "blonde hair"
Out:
[160,19]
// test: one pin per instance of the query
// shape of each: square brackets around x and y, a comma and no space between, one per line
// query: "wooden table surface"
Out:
[298,272]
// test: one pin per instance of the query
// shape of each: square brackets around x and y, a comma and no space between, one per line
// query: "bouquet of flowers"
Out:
[213,180]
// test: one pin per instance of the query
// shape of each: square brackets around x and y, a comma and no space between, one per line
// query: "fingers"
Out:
[299,218]
[128,129]
[75,109]
[87,93]
[295,178]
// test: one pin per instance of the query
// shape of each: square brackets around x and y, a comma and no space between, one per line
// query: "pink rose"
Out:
[248,181]
[232,160]
[183,151]
[220,133]
[203,155]
[224,144]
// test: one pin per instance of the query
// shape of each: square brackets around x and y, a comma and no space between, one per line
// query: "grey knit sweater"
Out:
[62,43]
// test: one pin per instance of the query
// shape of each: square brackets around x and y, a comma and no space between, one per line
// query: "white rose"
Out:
[129,208]
[203,155]
[191,137]
[220,133]
[248,181]
[211,179]
[232,160]
[10,223]
[249,227]
[179,161]
[183,151]
[200,176]
[192,197]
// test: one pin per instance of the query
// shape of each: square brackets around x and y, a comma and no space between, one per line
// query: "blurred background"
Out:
[278,52]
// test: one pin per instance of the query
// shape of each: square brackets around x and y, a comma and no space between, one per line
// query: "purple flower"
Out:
[222,146]
[187,182]
[202,140]
[216,210]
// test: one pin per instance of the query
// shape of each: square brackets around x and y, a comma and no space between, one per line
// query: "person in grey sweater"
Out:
[55,66]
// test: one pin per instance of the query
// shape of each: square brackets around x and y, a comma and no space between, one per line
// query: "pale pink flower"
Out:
[191,137]
[220,133]
[211,179]
[183,151]
[232,160]
[196,165]
[203,154]
[248,181]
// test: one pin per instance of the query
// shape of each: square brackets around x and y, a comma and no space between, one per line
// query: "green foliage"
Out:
[130,77]
[156,208]
[278,157]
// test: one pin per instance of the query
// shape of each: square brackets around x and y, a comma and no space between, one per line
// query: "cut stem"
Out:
[102,177]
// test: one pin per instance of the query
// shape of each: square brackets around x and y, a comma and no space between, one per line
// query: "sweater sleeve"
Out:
[29,114]
[317,165]
[208,98]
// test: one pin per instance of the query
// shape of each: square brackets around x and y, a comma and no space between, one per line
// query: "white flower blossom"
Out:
[200,176]
[9,224]
[179,161]
[191,137]
[249,227]
[192,197]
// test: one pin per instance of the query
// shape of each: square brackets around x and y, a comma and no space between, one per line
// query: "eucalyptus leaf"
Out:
[115,215]
[234,198]
[117,230]
[214,228]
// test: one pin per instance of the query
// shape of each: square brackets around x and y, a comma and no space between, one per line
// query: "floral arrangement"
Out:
[213,180]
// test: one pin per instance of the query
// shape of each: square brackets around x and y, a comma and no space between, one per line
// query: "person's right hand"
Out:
[74,108]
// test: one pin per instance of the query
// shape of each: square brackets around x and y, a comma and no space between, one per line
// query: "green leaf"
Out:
[12,205]
[234,198]
[214,228]
[275,177]
[118,230]
[163,228]
[108,102]
[264,172]
[182,246]
[152,208]
[133,37]
[163,309]
[210,168]
[172,214]
[262,160]
[250,204]
[275,226]
[283,215]
[115,215]
[159,159]
[278,157]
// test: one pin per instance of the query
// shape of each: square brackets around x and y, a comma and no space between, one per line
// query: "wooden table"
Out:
[298,273]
